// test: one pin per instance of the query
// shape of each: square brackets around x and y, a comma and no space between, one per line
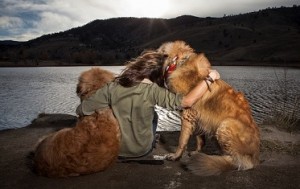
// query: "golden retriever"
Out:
[91,146]
[222,112]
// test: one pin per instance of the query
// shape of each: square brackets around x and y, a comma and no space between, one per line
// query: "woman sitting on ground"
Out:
[133,96]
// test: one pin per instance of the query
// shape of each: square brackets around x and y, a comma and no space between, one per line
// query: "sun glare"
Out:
[149,8]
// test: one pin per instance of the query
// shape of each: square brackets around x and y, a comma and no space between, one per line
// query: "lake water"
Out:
[27,92]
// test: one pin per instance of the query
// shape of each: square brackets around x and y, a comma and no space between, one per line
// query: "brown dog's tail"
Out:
[207,165]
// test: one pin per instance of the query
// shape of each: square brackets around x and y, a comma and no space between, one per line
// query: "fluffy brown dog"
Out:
[91,146]
[222,112]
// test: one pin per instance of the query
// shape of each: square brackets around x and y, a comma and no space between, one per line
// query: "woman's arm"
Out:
[197,92]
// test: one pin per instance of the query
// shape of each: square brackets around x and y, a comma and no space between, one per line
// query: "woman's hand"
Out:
[214,74]
[197,92]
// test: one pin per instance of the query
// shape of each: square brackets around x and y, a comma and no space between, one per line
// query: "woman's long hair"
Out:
[148,65]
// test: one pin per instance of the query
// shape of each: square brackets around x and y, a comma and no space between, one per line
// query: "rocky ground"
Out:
[279,168]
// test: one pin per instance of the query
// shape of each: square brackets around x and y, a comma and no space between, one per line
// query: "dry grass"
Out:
[286,121]
[283,114]
[280,147]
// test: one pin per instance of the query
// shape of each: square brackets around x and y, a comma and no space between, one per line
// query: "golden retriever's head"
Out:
[183,68]
[92,80]
[177,51]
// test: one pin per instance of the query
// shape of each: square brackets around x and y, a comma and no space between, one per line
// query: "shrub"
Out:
[283,114]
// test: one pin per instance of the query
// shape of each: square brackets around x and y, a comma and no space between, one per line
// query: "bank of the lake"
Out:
[279,168]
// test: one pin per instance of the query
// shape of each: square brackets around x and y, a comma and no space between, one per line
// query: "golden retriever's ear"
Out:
[202,61]
[202,65]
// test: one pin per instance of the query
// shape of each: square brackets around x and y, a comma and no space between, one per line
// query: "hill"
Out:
[265,37]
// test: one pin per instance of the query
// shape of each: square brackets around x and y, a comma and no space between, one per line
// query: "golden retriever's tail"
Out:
[207,165]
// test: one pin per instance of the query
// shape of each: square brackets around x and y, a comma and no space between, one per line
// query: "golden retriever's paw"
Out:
[172,157]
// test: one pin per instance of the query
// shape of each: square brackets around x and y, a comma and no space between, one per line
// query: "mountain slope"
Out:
[268,37]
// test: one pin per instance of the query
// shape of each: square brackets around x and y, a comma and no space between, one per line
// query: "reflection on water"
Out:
[27,92]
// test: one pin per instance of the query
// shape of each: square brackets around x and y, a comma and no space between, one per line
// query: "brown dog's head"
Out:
[183,69]
[92,80]
[176,49]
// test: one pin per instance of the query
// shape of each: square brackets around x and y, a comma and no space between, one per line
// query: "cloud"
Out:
[10,22]
[39,17]
[217,8]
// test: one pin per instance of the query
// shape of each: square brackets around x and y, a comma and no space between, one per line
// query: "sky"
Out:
[22,20]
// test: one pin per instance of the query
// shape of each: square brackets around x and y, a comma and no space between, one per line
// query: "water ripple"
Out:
[27,92]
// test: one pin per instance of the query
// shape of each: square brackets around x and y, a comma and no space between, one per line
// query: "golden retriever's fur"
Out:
[223,113]
[91,80]
[91,146]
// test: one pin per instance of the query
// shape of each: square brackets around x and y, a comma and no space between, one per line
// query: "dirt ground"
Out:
[280,167]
